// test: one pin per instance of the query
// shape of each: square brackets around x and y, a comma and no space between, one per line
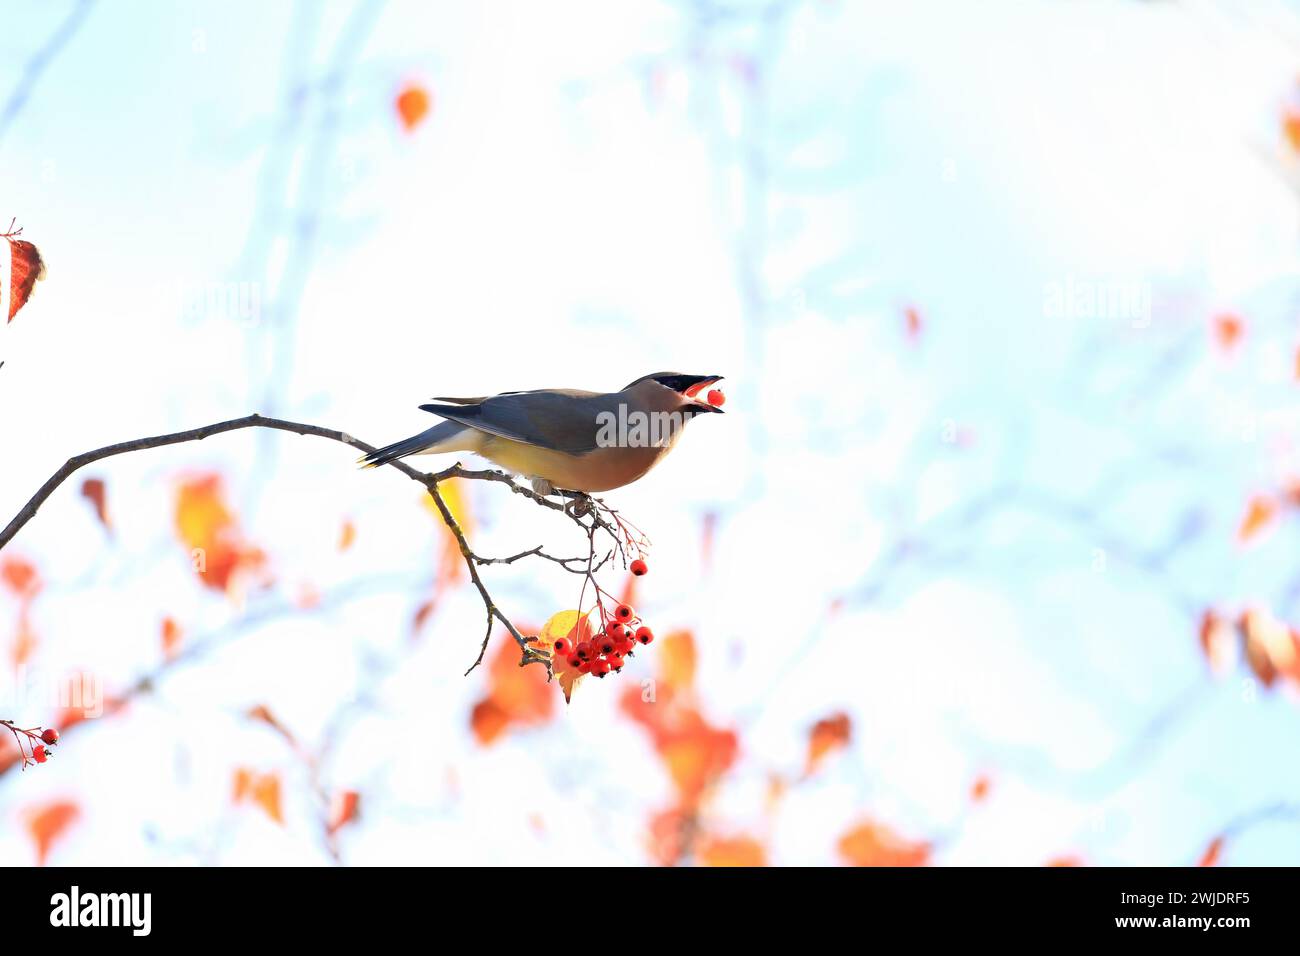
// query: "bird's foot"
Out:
[543,487]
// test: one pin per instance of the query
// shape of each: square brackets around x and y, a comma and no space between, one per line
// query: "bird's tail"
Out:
[447,436]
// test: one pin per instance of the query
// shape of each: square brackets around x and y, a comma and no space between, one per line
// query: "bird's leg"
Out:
[543,487]
[580,503]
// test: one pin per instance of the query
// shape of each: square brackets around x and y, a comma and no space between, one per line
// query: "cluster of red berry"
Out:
[604,653]
[50,737]
[621,631]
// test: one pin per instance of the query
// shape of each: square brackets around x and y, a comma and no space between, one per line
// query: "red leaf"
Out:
[343,809]
[93,490]
[27,269]
[20,577]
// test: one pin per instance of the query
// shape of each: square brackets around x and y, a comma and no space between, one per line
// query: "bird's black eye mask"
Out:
[680,383]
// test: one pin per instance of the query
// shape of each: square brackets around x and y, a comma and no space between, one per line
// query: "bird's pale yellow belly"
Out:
[598,470]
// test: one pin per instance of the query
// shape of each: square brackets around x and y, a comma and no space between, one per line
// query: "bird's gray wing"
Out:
[561,419]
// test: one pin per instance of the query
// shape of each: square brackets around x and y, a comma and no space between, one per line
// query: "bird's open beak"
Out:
[699,386]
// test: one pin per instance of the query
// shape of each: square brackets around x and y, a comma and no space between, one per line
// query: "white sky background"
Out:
[595,188]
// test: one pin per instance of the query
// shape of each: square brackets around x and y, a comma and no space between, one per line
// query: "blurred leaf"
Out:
[19,577]
[94,491]
[1260,512]
[347,535]
[677,661]
[1228,330]
[262,789]
[171,637]
[24,642]
[516,695]
[262,714]
[979,789]
[828,734]
[1212,853]
[208,528]
[46,824]
[873,844]
[413,105]
[731,851]
[343,809]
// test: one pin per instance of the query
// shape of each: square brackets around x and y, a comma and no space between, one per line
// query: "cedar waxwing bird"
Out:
[563,438]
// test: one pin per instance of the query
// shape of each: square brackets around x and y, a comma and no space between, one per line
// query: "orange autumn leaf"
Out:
[26,268]
[1218,641]
[24,642]
[171,637]
[1260,512]
[677,659]
[1228,330]
[668,836]
[347,535]
[873,844]
[1062,861]
[19,577]
[1212,853]
[979,789]
[208,528]
[1291,127]
[516,695]
[828,734]
[45,824]
[94,491]
[732,851]
[413,104]
[488,720]
[1272,648]
[262,789]
[696,755]
[343,809]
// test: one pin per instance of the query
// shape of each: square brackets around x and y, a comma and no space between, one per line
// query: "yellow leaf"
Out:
[575,626]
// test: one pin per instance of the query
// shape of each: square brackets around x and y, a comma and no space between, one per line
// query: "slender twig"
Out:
[430,481]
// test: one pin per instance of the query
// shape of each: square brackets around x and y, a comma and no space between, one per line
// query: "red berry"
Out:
[615,662]
[614,629]
[623,648]
[50,736]
[644,635]
[600,667]
[639,567]
[584,667]
[563,647]
[574,661]
[585,651]
[38,753]
[606,645]
[716,398]
[623,614]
